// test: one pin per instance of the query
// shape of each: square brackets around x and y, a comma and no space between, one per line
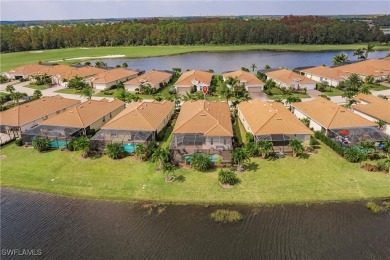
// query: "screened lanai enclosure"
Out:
[128,138]
[184,145]
[354,136]
[59,136]
[281,141]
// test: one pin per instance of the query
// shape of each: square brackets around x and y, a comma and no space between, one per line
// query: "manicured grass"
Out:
[320,178]
[37,87]
[12,60]
[278,93]
[239,131]
[3,93]
[376,87]
[333,92]
[166,141]
[68,91]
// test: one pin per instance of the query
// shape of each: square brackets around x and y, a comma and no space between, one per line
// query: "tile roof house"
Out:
[75,121]
[203,127]
[289,79]
[24,71]
[140,122]
[193,78]
[272,121]
[378,68]
[154,78]
[337,122]
[322,73]
[251,82]
[85,72]
[21,118]
[374,109]
[112,77]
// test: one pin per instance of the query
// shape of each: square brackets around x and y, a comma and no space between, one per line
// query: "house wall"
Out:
[103,120]
[332,82]
[166,120]
[254,88]
[243,121]
[35,122]
[386,128]
[213,141]
[308,86]
[103,86]
[313,124]
[183,89]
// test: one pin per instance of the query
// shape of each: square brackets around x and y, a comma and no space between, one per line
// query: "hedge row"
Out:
[329,142]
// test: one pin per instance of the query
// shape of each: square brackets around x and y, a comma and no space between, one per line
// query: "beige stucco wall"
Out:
[99,123]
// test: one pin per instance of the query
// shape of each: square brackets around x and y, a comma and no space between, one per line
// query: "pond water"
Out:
[225,61]
[68,228]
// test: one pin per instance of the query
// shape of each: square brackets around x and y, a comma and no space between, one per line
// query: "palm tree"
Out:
[201,162]
[37,94]
[354,82]
[16,96]
[339,59]
[291,99]
[296,146]
[349,96]
[115,151]
[41,144]
[253,67]
[381,124]
[169,169]
[369,79]
[265,148]
[3,100]
[239,156]
[125,65]
[10,88]
[224,90]
[360,54]
[189,96]
[140,151]
[365,89]
[160,156]
[86,92]
[267,67]
[87,63]
[369,49]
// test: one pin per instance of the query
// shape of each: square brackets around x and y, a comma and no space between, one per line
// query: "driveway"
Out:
[259,96]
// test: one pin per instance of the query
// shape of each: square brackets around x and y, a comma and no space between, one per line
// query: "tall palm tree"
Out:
[224,90]
[296,146]
[239,156]
[140,151]
[87,93]
[253,67]
[265,148]
[381,124]
[10,88]
[365,89]
[169,169]
[354,82]
[16,96]
[115,151]
[369,49]
[37,94]
[360,54]
[160,156]
[340,58]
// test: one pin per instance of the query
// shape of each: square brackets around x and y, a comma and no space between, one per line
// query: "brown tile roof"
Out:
[145,116]
[30,69]
[331,115]
[188,78]
[271,118]
[84,114]
[153,77]
[28,112]
[55,70]
[377,107]
[288,76]
[204,117]
[373,67]
[323,71]
[245,77]
[113,75]
[83,72]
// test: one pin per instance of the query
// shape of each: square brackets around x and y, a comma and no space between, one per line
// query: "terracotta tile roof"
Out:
[145,116]
[204,117]
[84,114]
[113,75]
[28,112]
[373,67]
[331,73]
[55,70]
[271,118]
[244,77]
[377,107]
[83,72]
[190,78]
[153,77]
[331,115]
[288,76]
[30,69]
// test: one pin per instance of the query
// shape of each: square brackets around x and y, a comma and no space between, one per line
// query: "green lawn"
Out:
[12,60]
[376,87]
[239,131]
[68,91]
[3,93]
[331,92]
[37,87]
[320,178]
[278,93]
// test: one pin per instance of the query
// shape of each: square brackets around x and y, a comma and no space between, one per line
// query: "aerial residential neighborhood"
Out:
[195,130]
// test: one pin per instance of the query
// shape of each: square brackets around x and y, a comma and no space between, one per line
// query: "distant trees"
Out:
[288,30]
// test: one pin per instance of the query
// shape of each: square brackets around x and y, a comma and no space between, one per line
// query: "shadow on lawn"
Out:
[304,156]
[180,178]
[251,166]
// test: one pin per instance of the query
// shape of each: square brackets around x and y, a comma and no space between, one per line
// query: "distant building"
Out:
[112,77]
[378,68]
[251,82]
[288,79]
[196,79]
[154,78]
[333,76]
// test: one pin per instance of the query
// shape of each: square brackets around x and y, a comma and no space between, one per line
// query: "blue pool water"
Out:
[129,147]
[57,144]
[213,157]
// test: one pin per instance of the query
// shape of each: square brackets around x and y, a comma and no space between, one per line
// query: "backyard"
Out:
[320,178]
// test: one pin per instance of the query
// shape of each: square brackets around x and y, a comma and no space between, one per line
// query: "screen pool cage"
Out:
[60,136]
[188,140]
[354,136]
[108,136]
[281,141]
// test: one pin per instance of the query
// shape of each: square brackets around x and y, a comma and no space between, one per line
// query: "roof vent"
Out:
[278,119]
[203,115]
[80,106]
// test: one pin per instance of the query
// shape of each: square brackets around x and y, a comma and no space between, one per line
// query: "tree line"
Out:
[288,30]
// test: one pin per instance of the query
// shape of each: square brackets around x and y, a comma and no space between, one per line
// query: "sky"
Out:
[12,10]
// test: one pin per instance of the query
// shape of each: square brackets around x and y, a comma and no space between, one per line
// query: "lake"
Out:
[227,61]
[68,228]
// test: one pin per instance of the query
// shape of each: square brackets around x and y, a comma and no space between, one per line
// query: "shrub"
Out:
[81,143]
[70,146]
[329,142]
[314,141]
[225,216]
[41,144]
[201,162]
[377,209]
[228,177]
[19,142]
[354,154]
[249,137]
[115,151]
[251,149]
[384,165]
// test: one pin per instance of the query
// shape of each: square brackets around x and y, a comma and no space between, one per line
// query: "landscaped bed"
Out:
[322,177]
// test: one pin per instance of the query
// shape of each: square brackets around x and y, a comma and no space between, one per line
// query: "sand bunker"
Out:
[94,57]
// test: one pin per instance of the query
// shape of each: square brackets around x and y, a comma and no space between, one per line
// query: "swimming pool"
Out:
[213,157]
[129,147]
[57,144]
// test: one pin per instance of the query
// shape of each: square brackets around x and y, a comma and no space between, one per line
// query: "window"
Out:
[224,141]
[110,115]
[104,119]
